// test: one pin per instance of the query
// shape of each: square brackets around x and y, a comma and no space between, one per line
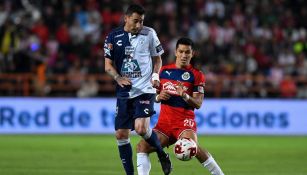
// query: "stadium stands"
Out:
[248,49]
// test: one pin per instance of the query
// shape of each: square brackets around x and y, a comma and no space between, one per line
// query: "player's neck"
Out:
[126,29]
[180,66]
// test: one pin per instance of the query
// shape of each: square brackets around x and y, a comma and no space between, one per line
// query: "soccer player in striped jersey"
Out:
[133,58]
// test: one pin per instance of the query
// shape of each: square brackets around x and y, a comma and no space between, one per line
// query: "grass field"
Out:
[97,154]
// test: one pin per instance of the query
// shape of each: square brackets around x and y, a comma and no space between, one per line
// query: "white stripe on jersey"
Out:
[146,46]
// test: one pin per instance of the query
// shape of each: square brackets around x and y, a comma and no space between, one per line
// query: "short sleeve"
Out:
[160,87]
[156,48]
[199,84]
[108,47]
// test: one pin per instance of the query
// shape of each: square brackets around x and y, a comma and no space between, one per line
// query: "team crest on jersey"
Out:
[185,76]
[142,40]
[131,68]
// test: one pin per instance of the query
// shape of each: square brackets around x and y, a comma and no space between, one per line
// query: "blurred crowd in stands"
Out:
[249,43]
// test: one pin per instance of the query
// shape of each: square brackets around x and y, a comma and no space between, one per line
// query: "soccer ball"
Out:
[185,149]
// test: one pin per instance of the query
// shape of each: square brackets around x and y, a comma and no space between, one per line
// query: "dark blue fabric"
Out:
[176,75]
[154,142]
[176,101]
[130,109]
[119,40]
[125,152]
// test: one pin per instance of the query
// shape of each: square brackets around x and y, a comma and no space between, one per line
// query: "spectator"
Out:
[89,88]
[232,38]
[288,88]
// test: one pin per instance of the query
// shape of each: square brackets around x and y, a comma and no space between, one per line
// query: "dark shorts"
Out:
[127,110]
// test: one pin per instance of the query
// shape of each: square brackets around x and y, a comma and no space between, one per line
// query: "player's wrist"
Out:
[185,96]
[155,76]
[116,77]
[157,98]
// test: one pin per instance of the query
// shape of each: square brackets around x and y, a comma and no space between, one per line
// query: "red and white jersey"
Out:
[176,108]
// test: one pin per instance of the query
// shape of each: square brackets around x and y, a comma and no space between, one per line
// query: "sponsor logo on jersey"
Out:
[146,110]
[119,35]
[107,52]
[159,48]
[107,49]
[185,76]
[171,88]
[129,50]
[119,43]
[168,72]
[131,68]
[145,102]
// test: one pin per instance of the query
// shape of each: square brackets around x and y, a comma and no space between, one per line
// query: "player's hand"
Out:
[180,88]
[155,83]
[164,95]
[123,81]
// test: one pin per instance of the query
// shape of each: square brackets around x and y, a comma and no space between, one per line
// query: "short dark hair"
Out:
[135,8]
[185,41]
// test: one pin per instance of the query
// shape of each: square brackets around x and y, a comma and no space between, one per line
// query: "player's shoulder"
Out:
[196,72]
[147,30]
[168,66]
[117,32]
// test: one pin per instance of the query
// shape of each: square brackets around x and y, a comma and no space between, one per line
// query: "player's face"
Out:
[184,54]
[134,23]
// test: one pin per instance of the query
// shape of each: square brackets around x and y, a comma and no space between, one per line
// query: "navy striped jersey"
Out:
[132,55]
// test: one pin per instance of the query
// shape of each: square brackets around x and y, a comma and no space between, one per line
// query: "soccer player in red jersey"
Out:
[181,91]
